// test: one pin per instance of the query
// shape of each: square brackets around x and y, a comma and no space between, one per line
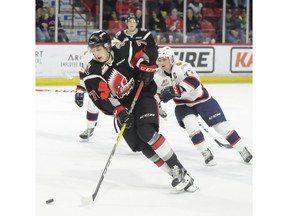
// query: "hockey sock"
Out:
[91,119]
[230,135]
[151,155]
[199,141]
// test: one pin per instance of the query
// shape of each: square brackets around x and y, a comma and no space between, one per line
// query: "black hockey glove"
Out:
[122,116]
[146,77]
[79,96]
[146,69]
[170,92]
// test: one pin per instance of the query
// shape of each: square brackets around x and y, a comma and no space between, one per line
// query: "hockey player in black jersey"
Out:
[141,37]
[112,79]
[144,41]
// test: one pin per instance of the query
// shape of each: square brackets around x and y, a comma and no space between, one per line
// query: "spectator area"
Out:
[76,16]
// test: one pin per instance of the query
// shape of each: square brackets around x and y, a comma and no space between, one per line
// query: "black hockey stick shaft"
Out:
[118,140]
[109,161]
[222,145]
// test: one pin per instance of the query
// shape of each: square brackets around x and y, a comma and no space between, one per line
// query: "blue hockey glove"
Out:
[170,92]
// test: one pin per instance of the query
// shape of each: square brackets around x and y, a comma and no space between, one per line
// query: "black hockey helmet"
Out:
[100,38]
[131,16]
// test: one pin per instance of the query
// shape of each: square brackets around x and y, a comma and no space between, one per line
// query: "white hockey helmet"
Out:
[166,52]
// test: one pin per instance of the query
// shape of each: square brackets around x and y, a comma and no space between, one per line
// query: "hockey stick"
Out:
[90,200]
[54,90]
[222,145]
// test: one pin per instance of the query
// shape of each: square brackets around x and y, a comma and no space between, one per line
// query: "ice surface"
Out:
[67,169]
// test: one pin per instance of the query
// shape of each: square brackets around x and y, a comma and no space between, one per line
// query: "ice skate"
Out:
[182,181]
[209,158]
[162,113]
[246,155]
[87,133]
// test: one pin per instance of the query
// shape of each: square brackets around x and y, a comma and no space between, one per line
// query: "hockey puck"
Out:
[49,201]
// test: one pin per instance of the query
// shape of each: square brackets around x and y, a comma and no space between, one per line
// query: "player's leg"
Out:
[147,124]
[186,117]
[91,120]
[213,115]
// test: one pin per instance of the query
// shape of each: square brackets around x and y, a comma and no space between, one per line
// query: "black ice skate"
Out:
[87,133]
[162,113]
[182,181]
[246,155]
[209,158]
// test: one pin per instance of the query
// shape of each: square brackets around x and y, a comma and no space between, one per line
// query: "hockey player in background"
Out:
[193,99]
[144,38]
[112,80]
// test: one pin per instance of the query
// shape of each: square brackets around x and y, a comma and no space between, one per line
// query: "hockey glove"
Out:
[146,77]
[79,95]
[170,92]
[122,116]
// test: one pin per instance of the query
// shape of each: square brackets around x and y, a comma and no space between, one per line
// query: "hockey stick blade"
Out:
[86,200]
[222,145]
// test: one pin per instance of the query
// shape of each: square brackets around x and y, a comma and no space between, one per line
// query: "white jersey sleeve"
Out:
[185,76]
[85,59]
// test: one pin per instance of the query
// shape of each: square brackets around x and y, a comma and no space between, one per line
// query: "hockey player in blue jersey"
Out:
[192,99]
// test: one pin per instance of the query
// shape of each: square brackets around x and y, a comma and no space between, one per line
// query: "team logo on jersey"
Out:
[165,82]
[119,85]
[178,63]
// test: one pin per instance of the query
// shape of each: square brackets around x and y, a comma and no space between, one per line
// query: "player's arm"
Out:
[99,93]
[101,96]
[190,80]
[191,85]
[146,68]
[80,88]
[186,87]
[151,49]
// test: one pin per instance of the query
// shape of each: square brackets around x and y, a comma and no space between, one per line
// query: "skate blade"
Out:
[250,162]
[191,189]
[211,163]
[84,140]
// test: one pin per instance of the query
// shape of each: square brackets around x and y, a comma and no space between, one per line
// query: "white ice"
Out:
[67,169]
